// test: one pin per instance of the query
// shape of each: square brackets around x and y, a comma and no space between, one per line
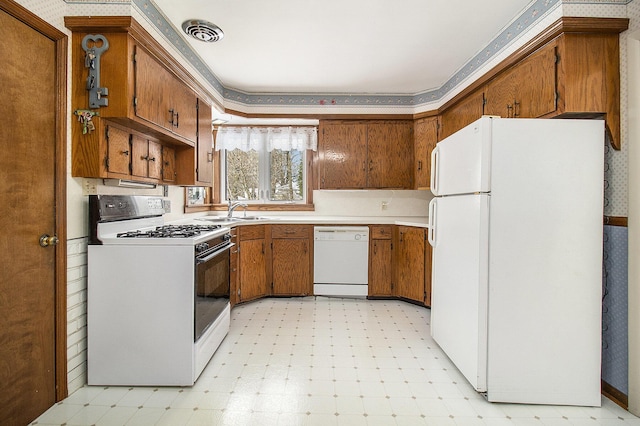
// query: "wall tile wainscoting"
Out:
[321,361]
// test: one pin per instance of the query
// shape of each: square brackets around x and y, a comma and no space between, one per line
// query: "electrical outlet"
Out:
[384,205]
[89,187]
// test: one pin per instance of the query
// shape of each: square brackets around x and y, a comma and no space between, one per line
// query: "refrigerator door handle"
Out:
[435,156]
[431,232]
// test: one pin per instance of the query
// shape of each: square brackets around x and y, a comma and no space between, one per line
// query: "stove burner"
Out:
[170,231]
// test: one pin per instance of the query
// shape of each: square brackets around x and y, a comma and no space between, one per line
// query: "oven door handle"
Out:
[214,254]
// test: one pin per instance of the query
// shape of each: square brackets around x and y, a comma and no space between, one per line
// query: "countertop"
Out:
[319,220]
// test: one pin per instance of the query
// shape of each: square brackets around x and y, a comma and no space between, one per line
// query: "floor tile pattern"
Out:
[321,361]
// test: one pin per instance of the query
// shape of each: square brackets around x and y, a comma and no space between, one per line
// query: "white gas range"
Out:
[157,294]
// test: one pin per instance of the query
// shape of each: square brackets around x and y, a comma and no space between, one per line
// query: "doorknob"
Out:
[46,240]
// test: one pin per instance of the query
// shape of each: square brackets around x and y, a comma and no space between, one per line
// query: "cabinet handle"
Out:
[401,236]
[177,120]
[210,157]
[516,108]
[509,111]
[370,165]
[419,164]
[151,159]
[375,248]
[125,152]
[171,111]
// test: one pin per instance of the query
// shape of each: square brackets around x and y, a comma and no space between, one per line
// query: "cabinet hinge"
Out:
[135,101]
[106,162]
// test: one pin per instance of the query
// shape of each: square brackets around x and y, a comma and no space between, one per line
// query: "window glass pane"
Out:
[243,175]
[286,175]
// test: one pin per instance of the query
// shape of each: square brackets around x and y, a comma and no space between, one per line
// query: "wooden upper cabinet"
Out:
[425,137]
[527,90]
[204,170]
[161,99]
[343,154]
[365,154]
[150,94]
[461,114]
[390,154]
[589,79]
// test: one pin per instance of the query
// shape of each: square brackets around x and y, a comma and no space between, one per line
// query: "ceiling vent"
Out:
[202,30]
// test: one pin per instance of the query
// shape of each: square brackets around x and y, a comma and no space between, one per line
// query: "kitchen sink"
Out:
[253,218]
[224,219]
[220,219]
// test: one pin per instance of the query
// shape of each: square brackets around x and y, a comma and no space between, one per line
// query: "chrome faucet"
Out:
[233,206]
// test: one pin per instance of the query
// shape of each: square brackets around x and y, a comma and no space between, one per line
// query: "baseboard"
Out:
[615,395]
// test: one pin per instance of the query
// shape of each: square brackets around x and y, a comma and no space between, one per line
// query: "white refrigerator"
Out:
[516,229]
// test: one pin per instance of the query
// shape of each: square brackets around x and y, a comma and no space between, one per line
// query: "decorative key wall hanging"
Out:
[94,45]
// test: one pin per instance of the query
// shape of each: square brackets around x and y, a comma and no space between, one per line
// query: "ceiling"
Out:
[342,46]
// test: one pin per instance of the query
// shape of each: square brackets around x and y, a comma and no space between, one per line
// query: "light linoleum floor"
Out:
[321,361]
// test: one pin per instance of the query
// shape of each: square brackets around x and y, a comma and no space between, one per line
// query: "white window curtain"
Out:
[267,138]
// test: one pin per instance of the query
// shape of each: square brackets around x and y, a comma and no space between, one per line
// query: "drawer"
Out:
[290,231]
[381,232]
[250,232]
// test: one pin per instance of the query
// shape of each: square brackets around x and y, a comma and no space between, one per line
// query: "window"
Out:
[265,165]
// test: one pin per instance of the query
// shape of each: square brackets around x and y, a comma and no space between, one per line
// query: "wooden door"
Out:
[500,95]
[154,160]
[139,156]
[380,277]
[425,135]
[168,164]
[536,89]
[118,151]
[390,155]
[410,263]
[291,266]
[152,83]
[184,103]
[253,277]
[32,196]
[461,114]
[205,144]
[343,155]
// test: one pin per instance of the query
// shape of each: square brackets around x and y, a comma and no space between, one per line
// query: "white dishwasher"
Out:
[340,260]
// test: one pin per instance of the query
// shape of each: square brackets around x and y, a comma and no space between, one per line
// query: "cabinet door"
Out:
[184,108]
[168,164]
[204,169]
[118,151]
[410,263]
[152,85]
[425,139]
[500,95]
[536,87]
[154,160]
[390,155]
[139,155]
[343,155]
[291,266]
[461,114]
[380,276]
[252,265]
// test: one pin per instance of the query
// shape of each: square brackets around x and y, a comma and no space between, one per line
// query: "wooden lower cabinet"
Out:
[292,254]
[410,262]
[252,264]
[380,261]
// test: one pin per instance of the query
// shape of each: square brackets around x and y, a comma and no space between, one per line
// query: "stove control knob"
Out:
[226,237]
[201,247]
